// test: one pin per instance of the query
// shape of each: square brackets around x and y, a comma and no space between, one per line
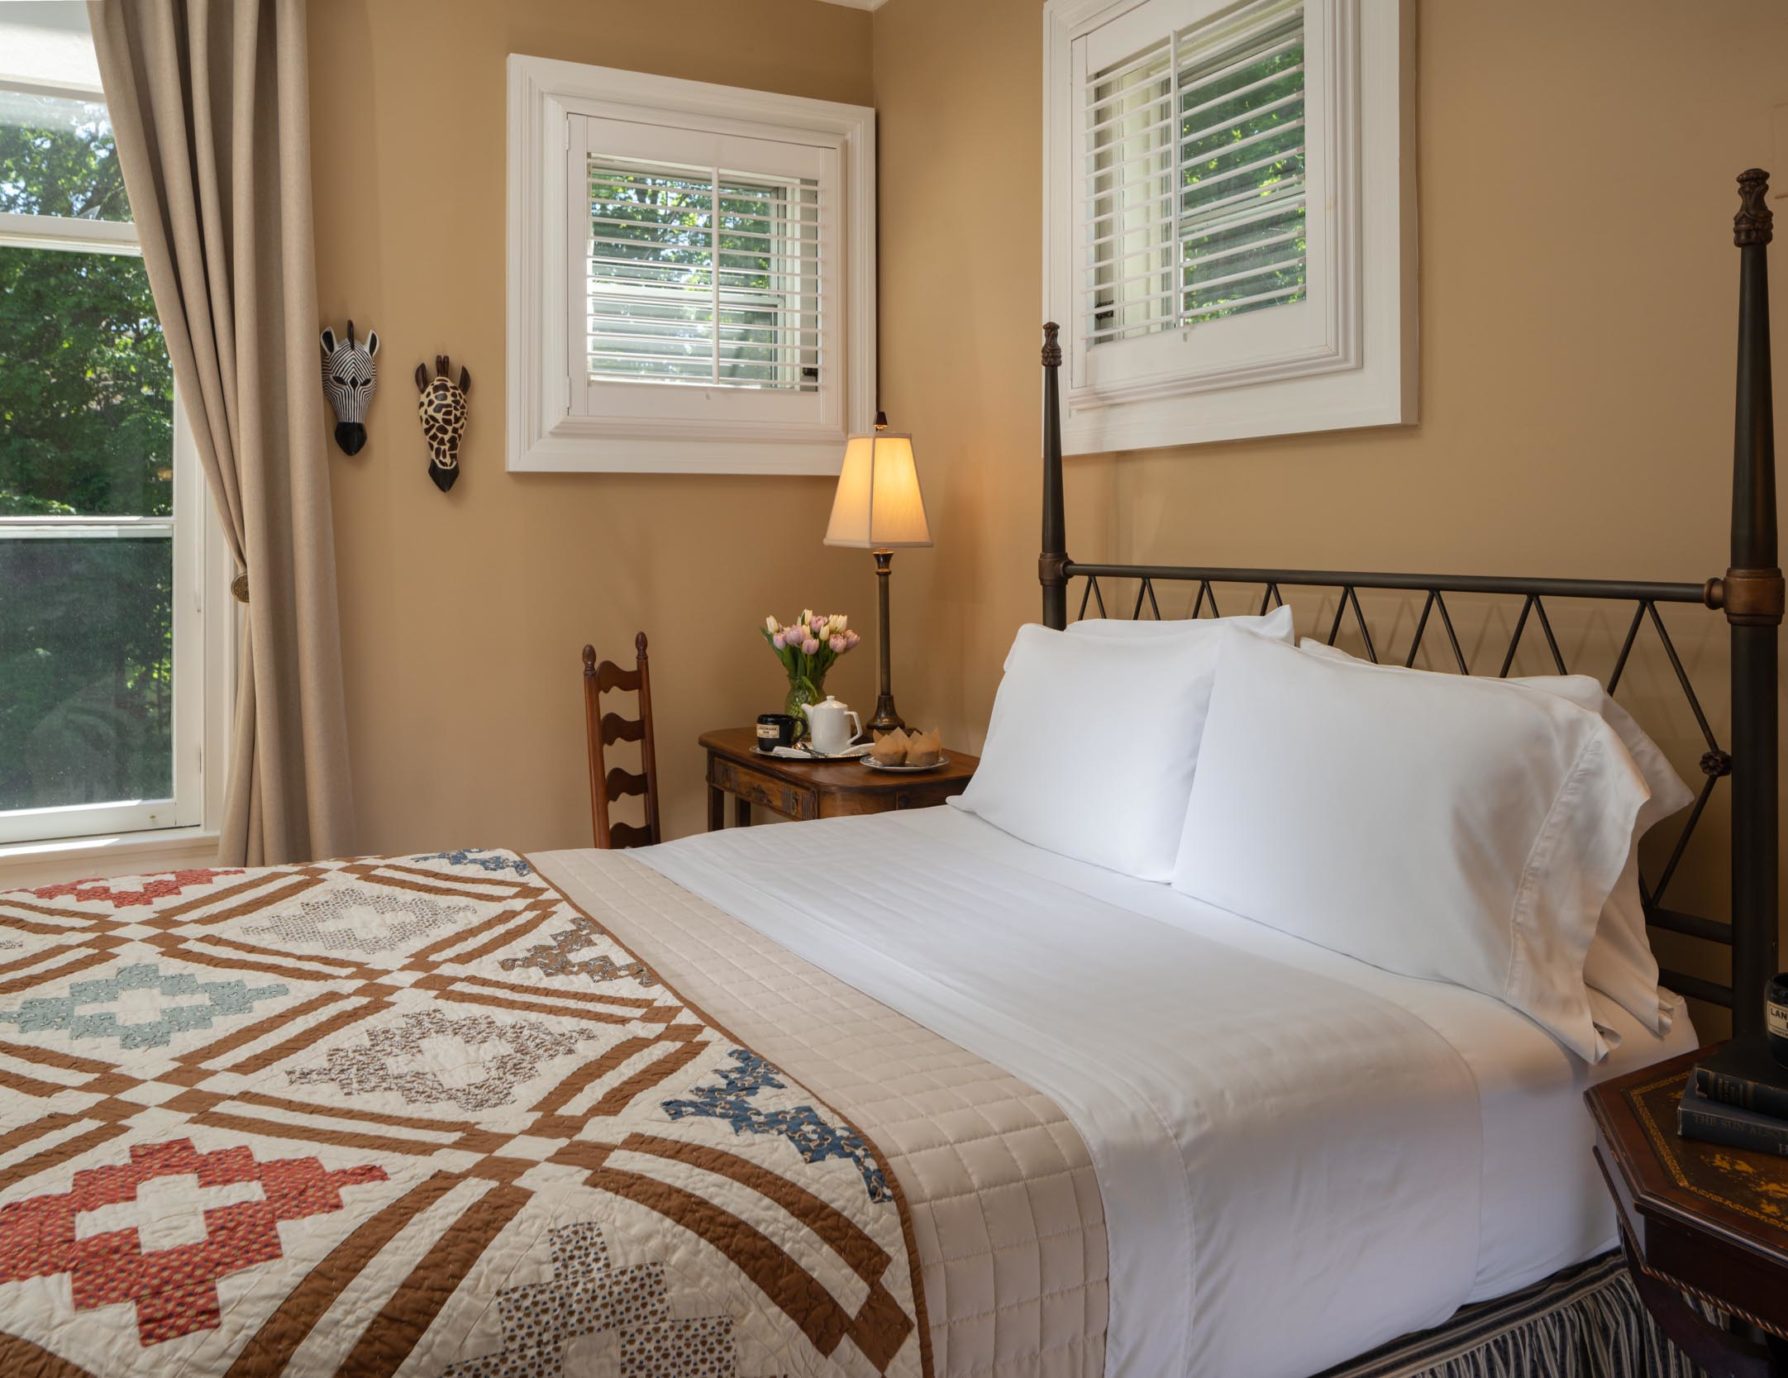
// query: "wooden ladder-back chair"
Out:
[603,730]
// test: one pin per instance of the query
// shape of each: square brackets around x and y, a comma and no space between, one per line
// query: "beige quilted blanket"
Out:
[425,1116]
[1004,1202]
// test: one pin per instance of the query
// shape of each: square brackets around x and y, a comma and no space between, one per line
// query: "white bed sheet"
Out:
[1543,1206]
[1387,1179]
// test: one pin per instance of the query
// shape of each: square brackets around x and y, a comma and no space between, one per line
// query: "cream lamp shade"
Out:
[878,505]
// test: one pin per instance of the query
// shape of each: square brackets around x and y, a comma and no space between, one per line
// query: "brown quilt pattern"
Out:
[410,1116]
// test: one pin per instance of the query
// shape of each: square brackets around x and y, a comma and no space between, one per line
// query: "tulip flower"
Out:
[808,648]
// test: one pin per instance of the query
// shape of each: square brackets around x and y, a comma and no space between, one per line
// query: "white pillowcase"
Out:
[1433,825]
[1620,962]
[1092,744]
[1276,624]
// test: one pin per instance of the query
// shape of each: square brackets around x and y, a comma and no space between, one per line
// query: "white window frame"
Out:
[204,625]
[713,431]
[1344,357]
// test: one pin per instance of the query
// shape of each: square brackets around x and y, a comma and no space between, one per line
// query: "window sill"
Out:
[114,854]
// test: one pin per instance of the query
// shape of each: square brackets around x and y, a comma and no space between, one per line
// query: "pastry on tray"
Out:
[889,748]
[924,748]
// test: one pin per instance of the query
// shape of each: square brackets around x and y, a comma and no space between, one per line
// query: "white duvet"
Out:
[1300,1156]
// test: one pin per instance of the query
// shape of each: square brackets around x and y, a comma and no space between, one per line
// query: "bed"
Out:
[1389,1148]
[891,1095]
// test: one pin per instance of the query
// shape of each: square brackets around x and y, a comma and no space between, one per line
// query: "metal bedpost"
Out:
[1751,595]
[1052,564]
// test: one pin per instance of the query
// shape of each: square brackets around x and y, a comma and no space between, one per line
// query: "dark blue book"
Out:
[1716,1122]
[1744,1074]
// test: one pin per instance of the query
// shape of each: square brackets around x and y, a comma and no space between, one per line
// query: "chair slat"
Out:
[615,728]
[628,835]
[610,676]
[621,782]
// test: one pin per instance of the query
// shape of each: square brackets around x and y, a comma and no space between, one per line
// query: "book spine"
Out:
[1742,1092]
[1714,1128]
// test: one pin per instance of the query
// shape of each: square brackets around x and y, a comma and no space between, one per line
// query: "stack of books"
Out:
[1737,1096]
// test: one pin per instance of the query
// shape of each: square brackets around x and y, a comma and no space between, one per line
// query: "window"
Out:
[1228,218]
[103,542]
[701,277]
[691,275]
[1195,176]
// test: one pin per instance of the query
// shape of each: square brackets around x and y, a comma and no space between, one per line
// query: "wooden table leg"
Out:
[741,812]
[716,809]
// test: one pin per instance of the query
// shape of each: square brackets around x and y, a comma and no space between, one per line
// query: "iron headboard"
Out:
[1750,593]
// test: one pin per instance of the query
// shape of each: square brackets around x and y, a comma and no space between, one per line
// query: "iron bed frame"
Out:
[1750,593]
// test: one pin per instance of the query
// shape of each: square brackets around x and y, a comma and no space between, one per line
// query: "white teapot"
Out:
[832,726]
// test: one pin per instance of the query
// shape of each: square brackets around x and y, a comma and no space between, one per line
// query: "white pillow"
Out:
[1092,743]
[1620,962]
[1433,825]
[1276,624]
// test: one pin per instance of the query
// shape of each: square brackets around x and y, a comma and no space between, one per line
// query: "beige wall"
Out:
[959,101]
[1578,305]
[1577,314]
[1577,320]
[463,614]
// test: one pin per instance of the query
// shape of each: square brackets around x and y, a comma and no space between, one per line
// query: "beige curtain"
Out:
[210,103]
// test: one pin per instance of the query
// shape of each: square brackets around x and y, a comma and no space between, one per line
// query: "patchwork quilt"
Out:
[405,1117]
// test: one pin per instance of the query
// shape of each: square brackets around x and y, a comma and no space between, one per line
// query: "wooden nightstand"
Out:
[800,789]
[1696,1217]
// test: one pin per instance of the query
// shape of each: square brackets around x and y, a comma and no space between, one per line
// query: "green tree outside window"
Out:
[86,429]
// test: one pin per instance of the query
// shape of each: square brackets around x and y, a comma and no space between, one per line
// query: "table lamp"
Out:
[878,508]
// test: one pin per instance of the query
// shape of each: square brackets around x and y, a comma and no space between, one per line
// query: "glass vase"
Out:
[802,692]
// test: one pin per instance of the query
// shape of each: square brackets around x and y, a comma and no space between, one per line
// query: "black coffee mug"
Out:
[1775,1017]
[774,730]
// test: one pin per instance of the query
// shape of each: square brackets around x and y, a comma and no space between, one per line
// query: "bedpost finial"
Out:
[589,660]
[1752,223]
[1052,347]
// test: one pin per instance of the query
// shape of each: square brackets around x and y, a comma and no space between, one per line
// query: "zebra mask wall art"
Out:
[442,410]
[349,376]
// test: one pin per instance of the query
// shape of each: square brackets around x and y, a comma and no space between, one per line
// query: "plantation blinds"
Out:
[1194,168]
[697,275]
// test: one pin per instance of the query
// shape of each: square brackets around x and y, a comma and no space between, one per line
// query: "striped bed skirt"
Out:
[1585,1322]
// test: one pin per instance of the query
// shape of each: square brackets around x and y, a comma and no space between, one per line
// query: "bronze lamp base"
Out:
[886,719]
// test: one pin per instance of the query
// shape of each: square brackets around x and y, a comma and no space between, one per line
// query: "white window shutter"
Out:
[1242,160]
[701,276]
[1194,173]
[1229,216]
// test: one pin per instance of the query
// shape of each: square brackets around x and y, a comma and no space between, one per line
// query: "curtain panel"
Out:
[210,104]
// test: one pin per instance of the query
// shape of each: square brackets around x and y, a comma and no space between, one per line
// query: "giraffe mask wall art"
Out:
[442,408]
[349,377]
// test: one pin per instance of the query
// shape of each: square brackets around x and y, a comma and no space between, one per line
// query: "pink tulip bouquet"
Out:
[807,649]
